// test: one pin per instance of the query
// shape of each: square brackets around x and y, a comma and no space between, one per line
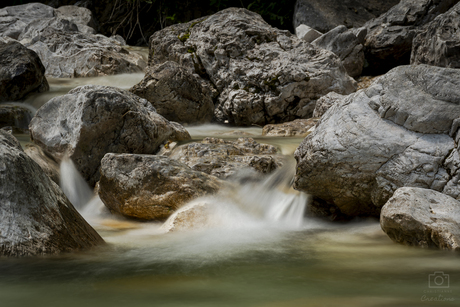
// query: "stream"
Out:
[263,253]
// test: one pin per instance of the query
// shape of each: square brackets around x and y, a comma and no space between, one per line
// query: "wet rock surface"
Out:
[263,75]
[177,94]
[15,117]
[223,158]
[21,72]
[93,120]
[401,131]
[150,187]
[298,127]
[36,218]
[422,217]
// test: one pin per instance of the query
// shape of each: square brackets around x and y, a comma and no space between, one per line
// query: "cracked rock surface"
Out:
[150,187]
[263,75]
[421,217]
[65,42]
[36,218]
[439,42]
[93,120]
[223,158]
[177,94]
[399,132]
[389,37]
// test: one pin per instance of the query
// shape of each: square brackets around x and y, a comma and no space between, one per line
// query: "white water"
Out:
[74,186]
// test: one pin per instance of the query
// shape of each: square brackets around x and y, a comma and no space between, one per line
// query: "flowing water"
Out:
[261,252]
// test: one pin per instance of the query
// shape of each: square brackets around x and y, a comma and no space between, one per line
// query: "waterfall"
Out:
[74,186]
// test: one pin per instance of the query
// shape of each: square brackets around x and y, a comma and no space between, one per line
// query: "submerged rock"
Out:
[93,120]
[223,158]
[263,75]
[438,43]
[36,217]
[401,131]
[21,72]
[422,217]
[150,187]
[195,215]
[177,94]
[298,127]
[325,15]
[389,38]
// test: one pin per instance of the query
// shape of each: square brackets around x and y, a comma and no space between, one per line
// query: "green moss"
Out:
[272,83]
[191,50]
[236,86]
[186,35]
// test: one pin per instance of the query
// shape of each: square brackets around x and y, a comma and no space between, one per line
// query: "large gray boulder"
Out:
[65,42]
[422,217]
[14,19]
[439,42]
[325,15]
[399,132]
[389,38]
[263,75]
[68,53]
[21,72]
[36,217]
[93,120]
[150,187]
[223,158]
[346,46]
[177,94]
[81,16]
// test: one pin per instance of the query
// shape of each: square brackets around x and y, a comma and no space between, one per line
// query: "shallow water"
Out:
[254,258]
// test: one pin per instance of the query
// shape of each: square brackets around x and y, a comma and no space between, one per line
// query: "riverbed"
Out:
[250,260]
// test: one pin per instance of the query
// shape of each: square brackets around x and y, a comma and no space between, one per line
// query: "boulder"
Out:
[48,164]
[346,46]
[177,94]
[306,33]
[399,132]
[15,116]
[298,127]
[36,218]
[14,19]
[81,16]
[263,75]
[324,103]
[421,217]
[21,72]
[325,15]
[67,47]
[71,54]
[223,158]
[150,187]
[389,38]
[93,120]
[438,43]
